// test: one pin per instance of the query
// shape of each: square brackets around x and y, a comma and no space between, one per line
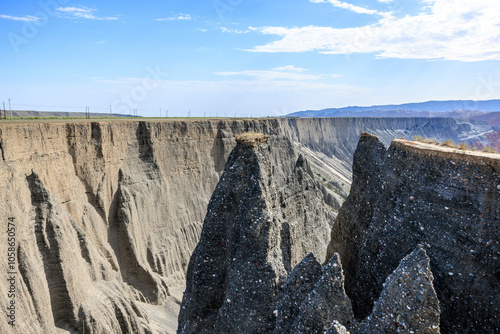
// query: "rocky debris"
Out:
[337,328]
[259,223]
[408,302]
[414,194]
[326,302]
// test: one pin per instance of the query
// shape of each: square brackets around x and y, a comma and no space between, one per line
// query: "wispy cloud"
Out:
[26,18]
[289,68]
[444,29]
[354,8]
[237,31]
[177,17]
[82,13]
[289,72]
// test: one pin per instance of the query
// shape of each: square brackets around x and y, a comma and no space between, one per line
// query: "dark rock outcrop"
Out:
[258,225]
[408,302]
[239,278]
[326,302]
[413,194]
[300,283]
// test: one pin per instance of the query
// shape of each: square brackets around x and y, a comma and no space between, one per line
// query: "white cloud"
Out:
[354,8]
[460,30]
[177,17]
[82,13]
[26,18]
[289,72]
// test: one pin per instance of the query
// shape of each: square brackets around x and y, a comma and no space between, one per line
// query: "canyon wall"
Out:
[105,215]
[419,194]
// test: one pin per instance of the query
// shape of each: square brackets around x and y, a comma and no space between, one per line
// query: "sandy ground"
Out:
[163,318]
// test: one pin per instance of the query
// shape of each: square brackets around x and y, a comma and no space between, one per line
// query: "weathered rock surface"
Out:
[124,214]
[239,278]
[260,223]
[326,303]
[442,198]
[300,282]
[134,193]
[408,302]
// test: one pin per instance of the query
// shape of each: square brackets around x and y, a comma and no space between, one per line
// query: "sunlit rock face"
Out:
[444,199]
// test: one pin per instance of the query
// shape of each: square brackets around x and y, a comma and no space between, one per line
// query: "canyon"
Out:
[107,214]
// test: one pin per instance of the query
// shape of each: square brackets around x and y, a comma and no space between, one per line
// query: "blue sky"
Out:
[245,57]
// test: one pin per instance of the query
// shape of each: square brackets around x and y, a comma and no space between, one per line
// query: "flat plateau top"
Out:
[449,152]
[125,119]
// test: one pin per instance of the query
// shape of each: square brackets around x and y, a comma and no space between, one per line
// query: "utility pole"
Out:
[160,112]
[110,111]
[4,115]
[189,113]
[166,114]
[10,110]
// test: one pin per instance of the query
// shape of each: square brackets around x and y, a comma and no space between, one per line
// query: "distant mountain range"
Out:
[465,108]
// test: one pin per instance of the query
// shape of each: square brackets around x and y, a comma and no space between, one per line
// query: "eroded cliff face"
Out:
[329,143]
[107,214]
[445,199]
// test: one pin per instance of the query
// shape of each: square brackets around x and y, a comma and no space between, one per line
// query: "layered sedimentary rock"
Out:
[445,199]
[260,222]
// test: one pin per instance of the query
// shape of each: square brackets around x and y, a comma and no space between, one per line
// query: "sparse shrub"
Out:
[474,148]
[490,149]
[430,140]
[418,138]
[464,146]
[425,140]
[449,143]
